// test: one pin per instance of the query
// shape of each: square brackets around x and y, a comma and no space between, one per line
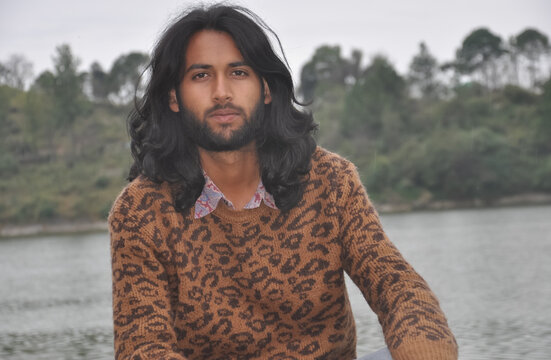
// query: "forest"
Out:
[470,131]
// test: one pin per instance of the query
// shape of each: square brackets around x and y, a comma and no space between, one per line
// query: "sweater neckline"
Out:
[223,211]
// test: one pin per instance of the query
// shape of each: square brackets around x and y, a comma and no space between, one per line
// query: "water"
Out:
[55,298]
[489,269]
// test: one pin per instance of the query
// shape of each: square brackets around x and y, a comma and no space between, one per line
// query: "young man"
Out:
[232,239]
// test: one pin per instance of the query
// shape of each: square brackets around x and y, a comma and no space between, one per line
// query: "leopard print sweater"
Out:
[261,284]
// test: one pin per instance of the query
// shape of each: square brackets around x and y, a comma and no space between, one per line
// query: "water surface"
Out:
[489,268]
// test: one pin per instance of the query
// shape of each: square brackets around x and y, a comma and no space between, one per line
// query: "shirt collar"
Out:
[211,195]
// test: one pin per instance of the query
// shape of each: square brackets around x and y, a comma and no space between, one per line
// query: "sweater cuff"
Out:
[425,351]
[157,353]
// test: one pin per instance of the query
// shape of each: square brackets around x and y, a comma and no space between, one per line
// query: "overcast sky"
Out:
[101,30]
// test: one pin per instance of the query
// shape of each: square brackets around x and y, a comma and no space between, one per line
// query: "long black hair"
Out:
[162,152]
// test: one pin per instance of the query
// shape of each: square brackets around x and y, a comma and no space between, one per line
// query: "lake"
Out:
[490,269]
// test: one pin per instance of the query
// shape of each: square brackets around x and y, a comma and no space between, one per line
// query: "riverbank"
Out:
[66,227]
[9,231]
[428,204]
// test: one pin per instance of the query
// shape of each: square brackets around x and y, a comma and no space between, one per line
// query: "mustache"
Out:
[223,107]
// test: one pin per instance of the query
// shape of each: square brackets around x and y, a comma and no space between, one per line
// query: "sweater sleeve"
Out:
[142,316]
[413,324]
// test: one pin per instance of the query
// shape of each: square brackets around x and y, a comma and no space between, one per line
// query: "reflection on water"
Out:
[94,344]
[55,298]
[489,269]
[491,272]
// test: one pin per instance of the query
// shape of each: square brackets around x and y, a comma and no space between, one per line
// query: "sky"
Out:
[102,30]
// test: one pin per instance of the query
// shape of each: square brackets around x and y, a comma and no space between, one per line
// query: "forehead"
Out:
[212,47]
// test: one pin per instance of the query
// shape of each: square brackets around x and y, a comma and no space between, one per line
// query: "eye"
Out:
[239,73]
[199,76]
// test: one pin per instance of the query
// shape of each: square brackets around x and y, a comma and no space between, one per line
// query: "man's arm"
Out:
[143,325]
[413,324]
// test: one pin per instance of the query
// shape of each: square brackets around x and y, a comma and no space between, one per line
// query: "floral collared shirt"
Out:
[211,196]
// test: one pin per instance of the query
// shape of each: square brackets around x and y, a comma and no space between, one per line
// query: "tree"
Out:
[45,82]
[423,70]
[327,67]
[6,94]
[62,89]
[532,45]
[544,123]
[480,52]
[514,60]
[465,164]
[67,87]
[99,82]
[125,74]
[16,72]
[379,91]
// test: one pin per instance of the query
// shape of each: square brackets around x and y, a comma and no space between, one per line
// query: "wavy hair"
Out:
[159,147]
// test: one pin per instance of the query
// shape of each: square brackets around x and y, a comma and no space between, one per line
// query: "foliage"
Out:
[419,139]
[532,45]
[125,74]
[479,53]
[64,87]
[543,127]
[39,188]
[379,92]
[423,72]
[16,71]
[328,67]
[51,171]
[415,138]
[99,82]
[120,84]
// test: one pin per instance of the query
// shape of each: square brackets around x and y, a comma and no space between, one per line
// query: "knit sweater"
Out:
[262,284]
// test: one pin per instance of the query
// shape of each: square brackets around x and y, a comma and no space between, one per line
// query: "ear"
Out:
[172,101]
[267,93]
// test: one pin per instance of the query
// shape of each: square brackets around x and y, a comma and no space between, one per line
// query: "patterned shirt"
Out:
[211,196]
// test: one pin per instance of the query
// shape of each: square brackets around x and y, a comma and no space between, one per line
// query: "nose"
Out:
[222,91]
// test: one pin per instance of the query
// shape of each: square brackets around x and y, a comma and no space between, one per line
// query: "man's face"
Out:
[221,94]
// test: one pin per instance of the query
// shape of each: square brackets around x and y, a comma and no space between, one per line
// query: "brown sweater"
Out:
[259,284]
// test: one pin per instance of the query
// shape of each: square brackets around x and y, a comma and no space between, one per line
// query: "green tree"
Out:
[532,45]
[125,74]
[379,92]
[328,68]
[480,52]
[423,71]
[100,82]
[45,82]
[513,57]
[41,108]
[41,117]
[67,88]
[543,137]
[16,72]
[465,164]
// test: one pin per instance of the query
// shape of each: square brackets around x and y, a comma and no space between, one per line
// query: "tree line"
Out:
[476,127]
[63,143]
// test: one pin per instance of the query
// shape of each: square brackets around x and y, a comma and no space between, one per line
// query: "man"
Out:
[232,239]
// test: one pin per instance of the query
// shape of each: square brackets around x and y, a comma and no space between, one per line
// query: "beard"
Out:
[200,133]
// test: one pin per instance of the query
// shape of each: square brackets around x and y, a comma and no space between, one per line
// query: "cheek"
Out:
[196,111]
[194,103]
[253,96]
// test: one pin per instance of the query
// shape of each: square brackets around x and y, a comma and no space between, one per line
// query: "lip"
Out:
[224,115]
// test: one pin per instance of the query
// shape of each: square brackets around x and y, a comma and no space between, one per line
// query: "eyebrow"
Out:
[207,66]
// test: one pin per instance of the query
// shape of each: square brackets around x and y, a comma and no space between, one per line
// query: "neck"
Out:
[236,173]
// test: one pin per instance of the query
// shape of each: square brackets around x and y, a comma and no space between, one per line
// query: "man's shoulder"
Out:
[332,177]
[325,161]
[140,195]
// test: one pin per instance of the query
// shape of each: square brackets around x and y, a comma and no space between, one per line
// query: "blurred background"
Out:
[444,107]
